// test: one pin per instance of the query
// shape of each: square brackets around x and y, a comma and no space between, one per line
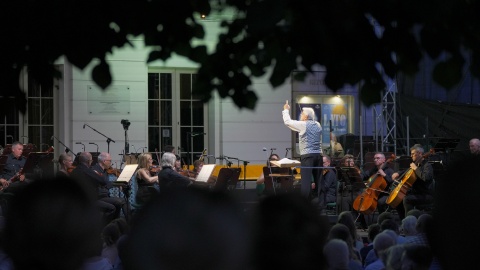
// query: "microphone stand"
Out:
[66,147]
[95,144]
[81,144]
[108,139]
[244,172]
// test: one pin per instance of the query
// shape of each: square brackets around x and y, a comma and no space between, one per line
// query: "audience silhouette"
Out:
[52,224]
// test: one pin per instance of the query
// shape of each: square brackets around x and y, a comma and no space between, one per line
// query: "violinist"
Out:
[170,179]
[178,164]
[97,178]
[197,167]
[12,177]
[146,182]
[347,192]
[327,188]
[66,163]
[261,179]
[381,168]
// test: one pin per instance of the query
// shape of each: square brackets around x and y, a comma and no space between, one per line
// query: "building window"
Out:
[175,117]
[40,115]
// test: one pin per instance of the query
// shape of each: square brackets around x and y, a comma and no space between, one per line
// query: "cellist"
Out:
[381,168]
[420,192]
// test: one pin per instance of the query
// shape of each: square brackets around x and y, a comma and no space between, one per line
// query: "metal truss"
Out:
[385,123]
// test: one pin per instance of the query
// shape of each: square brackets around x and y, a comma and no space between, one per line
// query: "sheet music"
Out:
[127,173]
[285,162]
[205,173]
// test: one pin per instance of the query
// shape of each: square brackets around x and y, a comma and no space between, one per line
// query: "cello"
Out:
[366,202]
[408,178]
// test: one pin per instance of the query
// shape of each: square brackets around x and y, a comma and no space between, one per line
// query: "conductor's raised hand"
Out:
[286,106]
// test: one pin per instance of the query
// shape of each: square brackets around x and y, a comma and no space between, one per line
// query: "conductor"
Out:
[310,143]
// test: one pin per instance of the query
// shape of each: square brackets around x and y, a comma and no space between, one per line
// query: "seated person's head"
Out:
[168,160]
[348,161]
[197,165]
[272,157]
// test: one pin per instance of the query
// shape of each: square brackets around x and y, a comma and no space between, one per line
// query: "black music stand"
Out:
[37,163]
[350,179]
[274,175]
[351,176]
[227,179]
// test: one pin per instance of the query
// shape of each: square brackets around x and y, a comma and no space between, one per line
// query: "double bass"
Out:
[366,202]
[407,179]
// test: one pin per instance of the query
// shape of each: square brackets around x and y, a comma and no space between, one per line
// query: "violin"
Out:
[188,173]
[154,169]
[366,202]
[70,170]
[113,171]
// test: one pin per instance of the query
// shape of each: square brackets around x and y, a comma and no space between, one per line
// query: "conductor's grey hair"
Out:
[310,113]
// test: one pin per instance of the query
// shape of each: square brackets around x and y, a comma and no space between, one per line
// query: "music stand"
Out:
[351,179]
[36,162]
[350,175]
[274,175]
[227,179]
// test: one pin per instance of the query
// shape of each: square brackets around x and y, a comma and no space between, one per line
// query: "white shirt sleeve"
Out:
[298,126]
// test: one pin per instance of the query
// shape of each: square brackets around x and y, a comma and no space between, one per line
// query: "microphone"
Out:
[133,146]
[51,138]
[84,126]
[273,149]
[264,149]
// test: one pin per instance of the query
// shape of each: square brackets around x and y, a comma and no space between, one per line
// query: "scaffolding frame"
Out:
[385,126]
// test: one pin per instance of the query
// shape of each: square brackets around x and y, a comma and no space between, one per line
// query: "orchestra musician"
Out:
[197,167]
[12,177]
[169,149]
[327,187]
[348,192]
[178,164]
[97,178]
[335,149]
[66,163]
[474,145]
[382,169]
[310,143]
[420,192]
[146,182]
[261,179]
[170,179]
